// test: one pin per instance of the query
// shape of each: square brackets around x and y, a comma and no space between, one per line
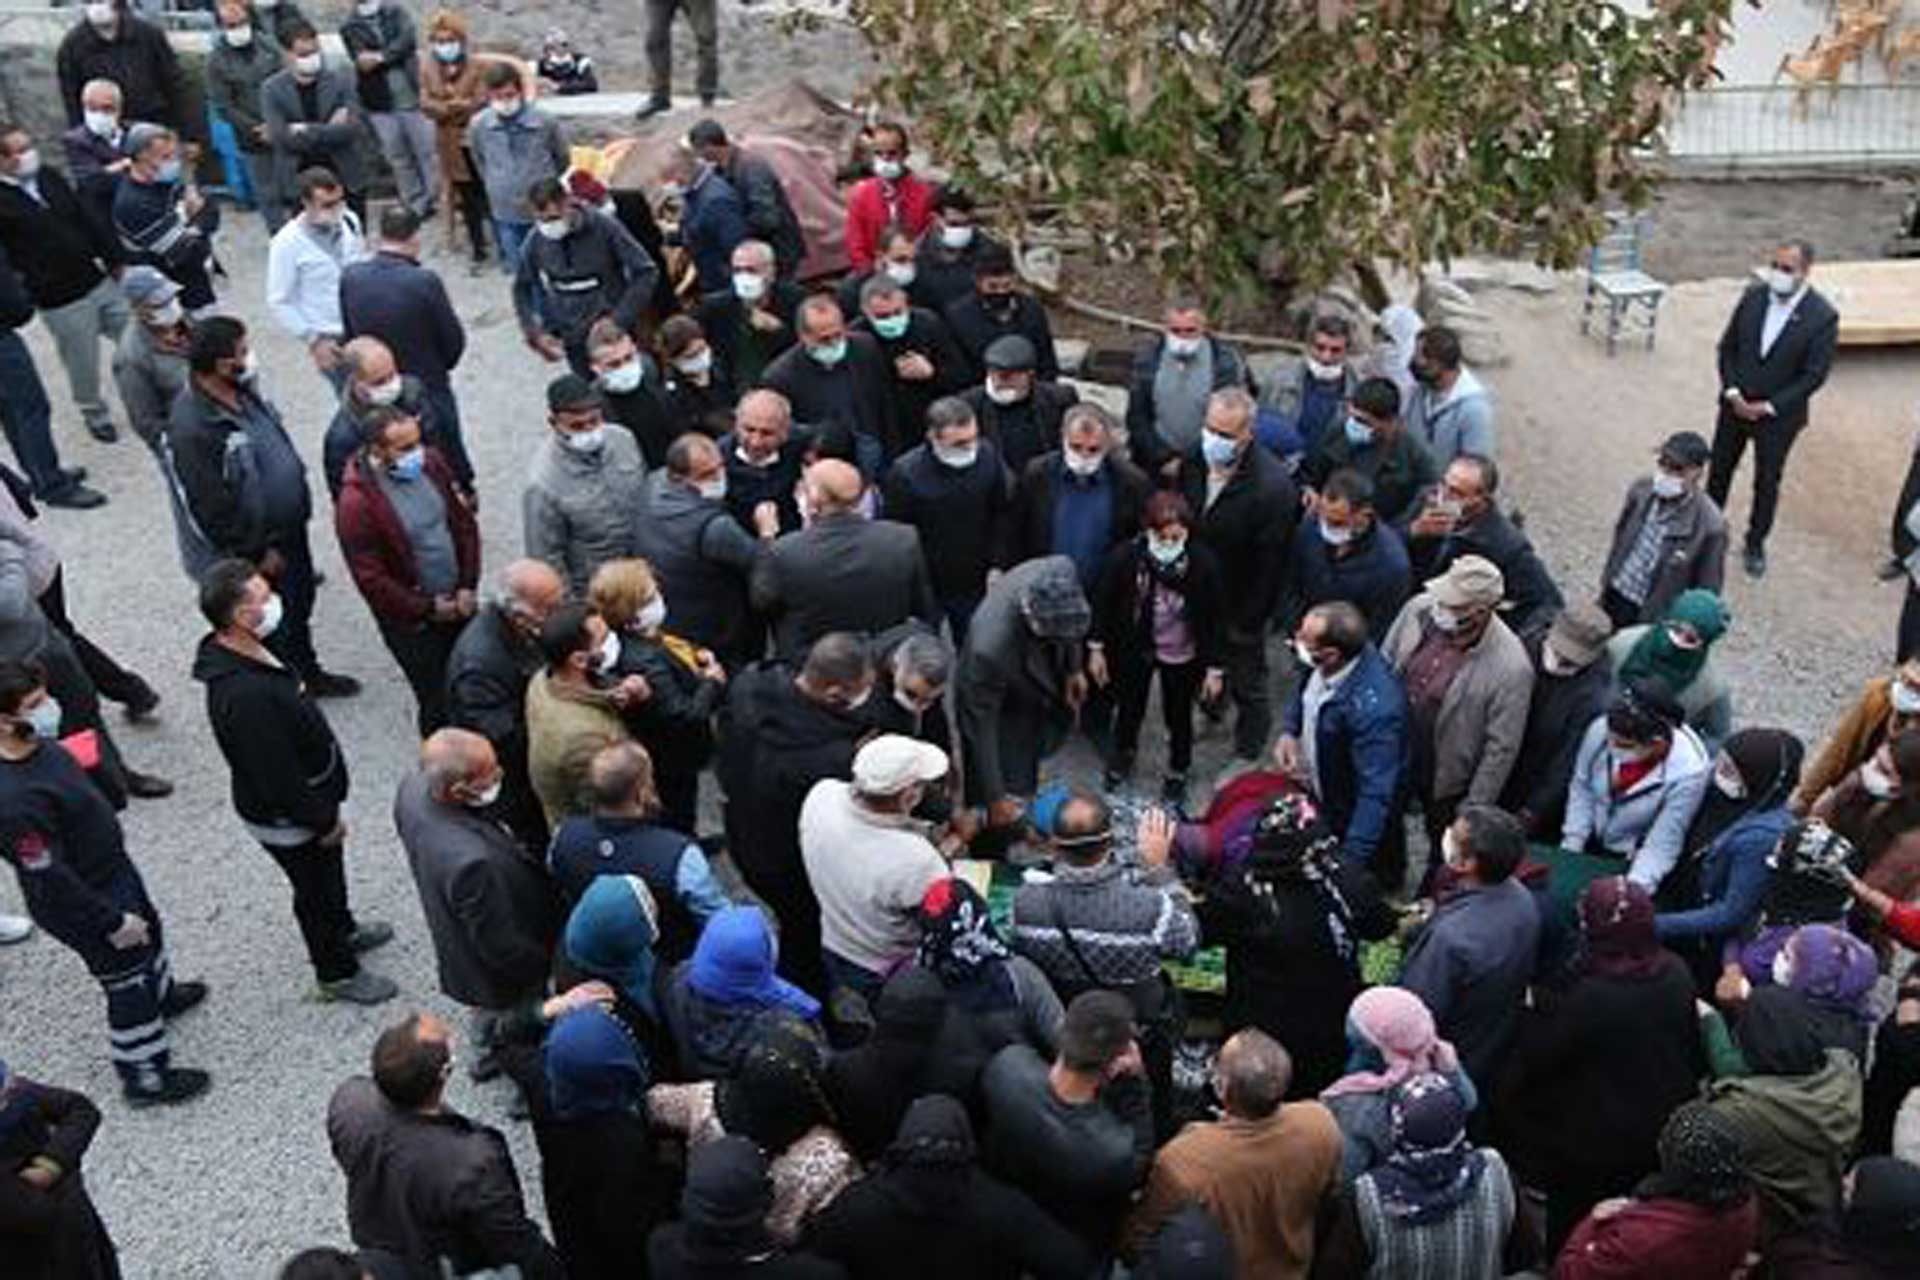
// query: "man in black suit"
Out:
[843,572]
[834,378]
[1774,355]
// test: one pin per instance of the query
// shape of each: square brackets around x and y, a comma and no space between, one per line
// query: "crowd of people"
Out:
[1534,952]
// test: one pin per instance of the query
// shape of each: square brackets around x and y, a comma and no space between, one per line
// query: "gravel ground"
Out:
[230,1186]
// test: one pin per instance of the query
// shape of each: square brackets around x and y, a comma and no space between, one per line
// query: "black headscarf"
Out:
[1779,1034]
[871,1086]
[1699,1160]
[725,1203]
[1768,761]
[926,1169]
[1292,847]
[1804,887]
[1881,1223]
[775,1094]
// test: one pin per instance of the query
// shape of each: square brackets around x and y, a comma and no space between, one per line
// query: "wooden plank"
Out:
[1879,302]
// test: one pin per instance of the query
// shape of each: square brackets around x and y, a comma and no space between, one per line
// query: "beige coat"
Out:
[565,730]
[1483,717]
[1858,735]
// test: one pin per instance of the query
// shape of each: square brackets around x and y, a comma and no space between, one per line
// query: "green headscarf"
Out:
[1655,654]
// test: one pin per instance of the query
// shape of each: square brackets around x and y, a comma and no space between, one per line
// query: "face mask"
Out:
[652,616]
[168,172]
[1335,535]
[907,704]
[237,37]
[1782,283]
[27,163]
[607,656]
[891,327]
[1450,850]
[1303,653]
[1001,393]
[507,108]
[1446,619]
[1668,485]
[1552,663]
[713,490]
[270,615]
[1000,305]
[167,315]
[44,719]
[695,365]
[1166,551]
[902,273]
[1684,643]
[622,378]
[1082,465]
[1359,434]
[1728,782]
[1906,699]
[1782,969]
[956,237]
[1632,754]
[589,441]
[409,465]
[553,228]
[368,8]
[959,458]
[831,354]
[449,50]
[749,286]
[484,799]
[102,124]
[888,169]
[250,368]
[1183,348]
[308,64]
[100,15]
[1876,781]
[385,393]
[1218,450]
[1324,372]
[859,700]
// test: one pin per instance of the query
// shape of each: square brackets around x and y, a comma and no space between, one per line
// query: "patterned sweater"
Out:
[1123,922]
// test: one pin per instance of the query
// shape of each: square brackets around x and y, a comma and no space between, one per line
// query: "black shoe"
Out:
[1891,570]
[147,786]
[370,936]
[182,997]
[103,430]
[175,1084]
[74,474]
[1756,562]
[654,107]
[74,497]
[1174,790]
[327,684]
[141,706]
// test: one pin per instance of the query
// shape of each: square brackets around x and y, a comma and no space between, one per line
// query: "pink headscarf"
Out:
[1397,1023]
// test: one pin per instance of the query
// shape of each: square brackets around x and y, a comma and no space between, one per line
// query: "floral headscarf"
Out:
[1699,1160]
[1432,1168]
[959,944]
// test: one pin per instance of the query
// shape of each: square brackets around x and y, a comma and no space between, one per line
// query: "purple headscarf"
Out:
[1831,968]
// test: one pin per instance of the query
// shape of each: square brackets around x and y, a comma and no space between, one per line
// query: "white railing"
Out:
[1851,124]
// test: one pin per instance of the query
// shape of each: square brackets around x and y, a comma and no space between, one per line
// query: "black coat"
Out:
[487,676]
[1123,609]
[1793,370]
[647,412]
[141,61]
[1247,529]
[1150,450]
[980,1229]
[1531,596]
[748,486]
[1024,430]
[286,764]
[842,573]
[1374,576]
[1558,715]
[667,1260]
[405,305]
[54,1234]
[855,395]
[975,328]
[61,246]
[927,335]
[944,276]
[743,351]
[961,515]
[16,307]
[770,215]
[1038,487]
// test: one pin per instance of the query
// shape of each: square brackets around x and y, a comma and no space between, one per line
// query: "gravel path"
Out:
[230,1186]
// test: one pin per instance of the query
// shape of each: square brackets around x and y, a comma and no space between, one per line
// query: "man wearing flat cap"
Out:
[1017,412]
[1468,686]
[1670,536]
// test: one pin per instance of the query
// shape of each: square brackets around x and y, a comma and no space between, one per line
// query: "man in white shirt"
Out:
[869,860]
[303,269]
[1774,354]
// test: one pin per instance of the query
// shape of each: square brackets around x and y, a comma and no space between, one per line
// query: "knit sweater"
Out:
[1122,924]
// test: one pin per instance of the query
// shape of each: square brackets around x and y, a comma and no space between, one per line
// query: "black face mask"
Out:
[1000,305]
[1423,373]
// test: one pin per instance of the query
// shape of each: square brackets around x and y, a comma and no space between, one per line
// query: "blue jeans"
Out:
[511,235]
[27,418]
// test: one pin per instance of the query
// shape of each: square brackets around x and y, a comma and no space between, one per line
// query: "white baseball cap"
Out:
[893,762]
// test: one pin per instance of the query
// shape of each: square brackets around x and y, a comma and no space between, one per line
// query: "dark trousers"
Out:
[447,432]
[1908,642]
[1248,685]
[1436,815]
[959,612]
[136,981]
[27,418]
[1178,684]
[79,702]
[1623,612]
[113,681]
[292,641]
[1771,444]
[422,653]
[318,874]
[703,18]
[679,790]
[842,972]
[1028,732]
[471,197]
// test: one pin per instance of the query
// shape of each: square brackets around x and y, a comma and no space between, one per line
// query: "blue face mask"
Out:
[830,355]
[892,327]
[170,171]
[1359,434]
[1218,450]
[409,465]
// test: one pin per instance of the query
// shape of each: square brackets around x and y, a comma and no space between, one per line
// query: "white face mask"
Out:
[1450,850]
[507,108]
[956,237]
[902,273]
[622,378]
[1219,451]
[308,64]
[102,124]
[554,228]
[100,15]
[250,368]
[1324,372]
[1782,283]
[167,314]
[1906,698]
[1001,393]
[44,719]
[1335,536]
[1083,464]
[384,393]
[588,441]
[1553,664]
[237,37]
[1303,653]
[888,169]
[1166,551]
[908,704]
[749,286]
[607,656]
[695,365]
[1668,485]
[448,50]
[1183,348]
[368,8]
[484,799]
[1728,782]
[1782,968]
[1876,781]
[1446,619]
[713,490]
[958,457]
[271,614]
[27,163]
[652,616]
[859,700]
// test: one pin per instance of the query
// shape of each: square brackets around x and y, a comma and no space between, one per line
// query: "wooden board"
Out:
[1879,302]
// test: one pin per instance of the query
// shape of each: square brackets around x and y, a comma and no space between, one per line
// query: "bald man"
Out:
[487,677]
[374,381]
[490,907]
[842,572]
[764,462]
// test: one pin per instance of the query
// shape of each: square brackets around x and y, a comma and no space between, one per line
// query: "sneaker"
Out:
[147,786]
[329,684]
[1756,562]
[74,497]
[174,1084]
[14,929]
[370,936]
[103,430]
[653,107]
[1174,790]
[142,705]
[181,997]
[361,988]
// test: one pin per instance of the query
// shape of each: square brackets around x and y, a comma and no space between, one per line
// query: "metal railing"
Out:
[1850,124]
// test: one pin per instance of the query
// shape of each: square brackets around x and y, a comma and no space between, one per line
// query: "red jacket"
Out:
[868,214]
[1660,1240]
[376,547]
